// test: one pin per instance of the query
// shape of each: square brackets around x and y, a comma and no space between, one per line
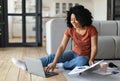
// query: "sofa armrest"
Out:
[54,33]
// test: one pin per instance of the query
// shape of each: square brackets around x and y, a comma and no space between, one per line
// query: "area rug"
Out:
[90,76]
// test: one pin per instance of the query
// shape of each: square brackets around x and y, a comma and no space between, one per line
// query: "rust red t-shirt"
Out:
[82,43]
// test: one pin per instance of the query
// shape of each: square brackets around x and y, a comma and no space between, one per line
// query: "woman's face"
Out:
[74,22]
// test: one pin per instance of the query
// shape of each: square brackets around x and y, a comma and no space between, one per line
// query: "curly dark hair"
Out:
[83,16]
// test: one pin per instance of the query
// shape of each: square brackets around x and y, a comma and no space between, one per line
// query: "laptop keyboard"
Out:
[51,73]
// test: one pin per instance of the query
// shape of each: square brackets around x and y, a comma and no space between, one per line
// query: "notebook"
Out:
[34,66]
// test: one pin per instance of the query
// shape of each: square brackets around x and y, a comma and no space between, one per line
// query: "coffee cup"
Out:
[103,66]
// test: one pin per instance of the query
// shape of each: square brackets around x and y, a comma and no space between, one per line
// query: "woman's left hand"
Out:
[91,62]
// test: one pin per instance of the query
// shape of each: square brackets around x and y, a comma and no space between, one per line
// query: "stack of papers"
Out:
[80,69]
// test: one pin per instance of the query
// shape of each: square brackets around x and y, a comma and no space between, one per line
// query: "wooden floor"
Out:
[9,72]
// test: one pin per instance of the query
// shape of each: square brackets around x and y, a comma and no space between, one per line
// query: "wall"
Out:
[51,6]
[100,9]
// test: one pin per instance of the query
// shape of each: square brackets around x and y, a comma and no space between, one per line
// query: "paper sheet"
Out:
[80,69]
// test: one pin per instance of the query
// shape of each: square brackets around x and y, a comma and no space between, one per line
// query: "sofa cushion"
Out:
[106,47]
[97,25]
[54,33]
[108,28]
[117,46]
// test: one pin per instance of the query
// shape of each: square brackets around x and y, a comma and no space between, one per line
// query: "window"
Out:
[113,11]
[57,8]
[24,27]
[70,5]
[63,7]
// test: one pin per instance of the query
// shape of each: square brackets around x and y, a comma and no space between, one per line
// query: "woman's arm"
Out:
[60,50]
[94,48]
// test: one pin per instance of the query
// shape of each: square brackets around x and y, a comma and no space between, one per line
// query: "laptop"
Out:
[34,66]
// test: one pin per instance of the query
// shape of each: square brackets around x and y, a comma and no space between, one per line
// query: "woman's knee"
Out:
[68,55]
[78,61]
[81,60]
[68,65]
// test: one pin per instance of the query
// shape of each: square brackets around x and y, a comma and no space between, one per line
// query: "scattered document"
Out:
[80,69]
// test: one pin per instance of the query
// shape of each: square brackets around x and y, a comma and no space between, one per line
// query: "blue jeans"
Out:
[69,58]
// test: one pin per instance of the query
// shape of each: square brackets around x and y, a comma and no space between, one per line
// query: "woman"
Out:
[84,36]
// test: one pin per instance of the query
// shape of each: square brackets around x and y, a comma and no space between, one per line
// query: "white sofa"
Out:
[108,39]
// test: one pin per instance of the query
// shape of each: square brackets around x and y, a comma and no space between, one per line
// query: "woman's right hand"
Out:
[50,67]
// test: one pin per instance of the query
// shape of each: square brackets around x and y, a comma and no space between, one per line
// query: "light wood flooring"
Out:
[9,72]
